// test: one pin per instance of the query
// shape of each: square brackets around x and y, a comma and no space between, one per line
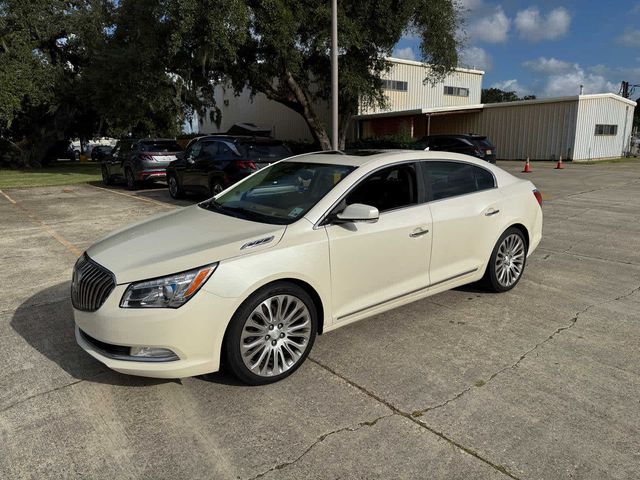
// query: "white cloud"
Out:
[569,84]
[492,28]
[405,53]
[549,65]
[512,86]
[630,38]
[476,57]
[535,27]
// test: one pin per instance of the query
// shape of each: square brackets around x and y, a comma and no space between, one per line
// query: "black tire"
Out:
[215,187]
[130,179]
[174,187]
[232,355]
[492,279]
[106,177]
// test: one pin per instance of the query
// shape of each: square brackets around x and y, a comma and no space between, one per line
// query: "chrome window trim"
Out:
[495,180]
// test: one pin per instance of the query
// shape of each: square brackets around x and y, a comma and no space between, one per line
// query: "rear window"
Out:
[266,152]
[484,142]
[166,146]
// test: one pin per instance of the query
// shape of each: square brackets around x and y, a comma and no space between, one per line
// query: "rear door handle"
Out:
[419,233]
[491,212]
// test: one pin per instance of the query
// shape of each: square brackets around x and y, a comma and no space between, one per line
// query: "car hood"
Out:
[179,241]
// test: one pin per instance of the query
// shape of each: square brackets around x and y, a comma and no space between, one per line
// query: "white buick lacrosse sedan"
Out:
[309,244]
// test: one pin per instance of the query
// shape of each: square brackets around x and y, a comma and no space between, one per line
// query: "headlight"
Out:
[172,291]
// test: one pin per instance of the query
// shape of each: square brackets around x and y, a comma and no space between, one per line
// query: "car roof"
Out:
[240,138]
[375,158]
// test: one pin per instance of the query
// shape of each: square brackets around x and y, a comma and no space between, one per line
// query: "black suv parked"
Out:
[138,161]
[475,145]
[212,163]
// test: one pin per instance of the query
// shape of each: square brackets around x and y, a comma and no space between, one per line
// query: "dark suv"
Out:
[212,163]
[138,161]
[475,145]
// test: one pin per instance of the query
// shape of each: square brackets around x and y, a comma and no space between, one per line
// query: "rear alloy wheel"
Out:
[507,261]
[271,334]
[131,181]
[215,188]
[106,178]
[174,187]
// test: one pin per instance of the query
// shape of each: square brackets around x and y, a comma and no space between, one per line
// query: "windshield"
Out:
[281,193]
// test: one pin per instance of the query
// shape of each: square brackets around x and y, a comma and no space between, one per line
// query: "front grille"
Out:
[91,284]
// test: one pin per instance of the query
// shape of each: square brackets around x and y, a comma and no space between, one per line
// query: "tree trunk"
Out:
[318,129]
[345,122]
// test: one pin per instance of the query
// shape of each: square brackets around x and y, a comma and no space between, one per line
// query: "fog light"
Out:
[153,352]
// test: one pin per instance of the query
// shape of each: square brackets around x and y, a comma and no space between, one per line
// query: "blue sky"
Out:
[549,48]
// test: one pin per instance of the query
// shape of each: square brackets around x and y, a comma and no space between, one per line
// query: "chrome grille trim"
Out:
[91,284]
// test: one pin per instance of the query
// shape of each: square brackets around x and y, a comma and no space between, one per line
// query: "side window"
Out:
[387,189]
[209,150]
[193,151]
[484,179]
[449,179]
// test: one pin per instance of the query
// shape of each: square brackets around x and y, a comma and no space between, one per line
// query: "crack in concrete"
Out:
[412,416]
[581,255]
[23,400]
[320,439]
[572,322]
[501,468]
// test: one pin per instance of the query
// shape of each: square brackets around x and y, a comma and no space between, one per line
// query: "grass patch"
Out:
[58,174]
[610,160]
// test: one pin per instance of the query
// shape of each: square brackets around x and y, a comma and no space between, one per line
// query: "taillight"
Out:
[538,195]
[243,165]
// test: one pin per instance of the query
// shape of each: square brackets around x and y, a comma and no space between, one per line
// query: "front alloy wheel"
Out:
[271,334]
[507,261]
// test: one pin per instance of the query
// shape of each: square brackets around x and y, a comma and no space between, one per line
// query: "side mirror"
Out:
[357,212]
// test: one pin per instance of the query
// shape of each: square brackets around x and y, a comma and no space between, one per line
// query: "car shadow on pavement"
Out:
[45,321]
[152,191]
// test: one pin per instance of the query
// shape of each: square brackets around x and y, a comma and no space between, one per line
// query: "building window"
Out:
[456,91]
[397,85]
[606,129]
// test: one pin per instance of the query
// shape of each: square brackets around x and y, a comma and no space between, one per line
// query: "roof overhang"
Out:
[477,108]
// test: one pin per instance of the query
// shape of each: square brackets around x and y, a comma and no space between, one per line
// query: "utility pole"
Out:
[334,74]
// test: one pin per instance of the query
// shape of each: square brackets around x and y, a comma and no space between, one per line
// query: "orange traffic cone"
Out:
[560,166]
[527,167]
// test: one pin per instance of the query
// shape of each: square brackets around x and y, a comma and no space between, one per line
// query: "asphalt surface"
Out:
[542,382]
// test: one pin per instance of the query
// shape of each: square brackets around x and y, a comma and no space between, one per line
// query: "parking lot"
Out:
[542,382]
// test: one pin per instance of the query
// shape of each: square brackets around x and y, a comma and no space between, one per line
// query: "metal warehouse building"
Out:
[580,127]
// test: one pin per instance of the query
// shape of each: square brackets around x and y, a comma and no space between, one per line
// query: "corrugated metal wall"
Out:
[602,111]
[421,95]
[284,122]
[541,131]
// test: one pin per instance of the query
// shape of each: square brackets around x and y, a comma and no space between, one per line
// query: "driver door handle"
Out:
[491,211]
[419,232]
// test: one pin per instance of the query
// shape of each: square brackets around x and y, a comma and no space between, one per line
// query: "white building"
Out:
[580,127]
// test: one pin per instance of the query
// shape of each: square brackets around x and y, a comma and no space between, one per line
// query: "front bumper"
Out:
[194,332]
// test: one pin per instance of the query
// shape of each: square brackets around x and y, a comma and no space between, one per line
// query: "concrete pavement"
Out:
[538,383]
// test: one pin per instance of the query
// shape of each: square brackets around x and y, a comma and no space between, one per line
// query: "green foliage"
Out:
[85,68]
[287,48]
[495,95]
